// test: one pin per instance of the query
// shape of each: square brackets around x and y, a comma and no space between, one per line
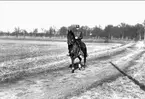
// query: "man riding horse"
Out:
[77,48]
[78,36]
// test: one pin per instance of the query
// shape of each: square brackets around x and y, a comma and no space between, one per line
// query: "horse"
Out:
[77,50]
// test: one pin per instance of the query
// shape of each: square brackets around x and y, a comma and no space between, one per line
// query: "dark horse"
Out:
[76,50]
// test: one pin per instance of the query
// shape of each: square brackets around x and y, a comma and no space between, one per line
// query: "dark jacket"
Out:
[78,35]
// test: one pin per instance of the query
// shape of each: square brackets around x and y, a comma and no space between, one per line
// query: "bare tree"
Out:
[17,31]
[35,31]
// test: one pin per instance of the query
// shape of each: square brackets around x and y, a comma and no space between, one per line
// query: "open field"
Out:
[39,69]
[25,55]
[122,87]
[62,39]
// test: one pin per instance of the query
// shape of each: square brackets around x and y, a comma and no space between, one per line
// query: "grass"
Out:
[121,87]
[54,57]
[62,39]
[17,57]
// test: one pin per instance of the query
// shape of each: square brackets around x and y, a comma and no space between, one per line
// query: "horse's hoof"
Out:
[70,66]
[84,66]
[72,71]
[79,65]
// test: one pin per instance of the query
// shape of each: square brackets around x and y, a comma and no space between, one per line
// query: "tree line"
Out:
[122,31]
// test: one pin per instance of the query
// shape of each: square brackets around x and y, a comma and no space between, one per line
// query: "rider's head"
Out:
[77,27]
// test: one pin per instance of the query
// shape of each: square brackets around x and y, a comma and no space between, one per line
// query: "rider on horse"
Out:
[78,36]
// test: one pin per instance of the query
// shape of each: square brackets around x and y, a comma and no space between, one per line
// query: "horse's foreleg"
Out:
[80,59]
[73,69]
[80,65]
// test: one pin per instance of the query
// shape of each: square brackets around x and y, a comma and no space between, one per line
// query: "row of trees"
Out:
[121,31]
[22,32]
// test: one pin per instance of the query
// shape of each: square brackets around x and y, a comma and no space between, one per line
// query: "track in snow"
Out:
[59,82]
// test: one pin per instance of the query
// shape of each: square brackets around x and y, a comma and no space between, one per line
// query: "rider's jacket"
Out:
[78,35]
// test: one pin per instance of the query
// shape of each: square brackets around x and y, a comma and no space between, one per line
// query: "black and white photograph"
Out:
[72,49]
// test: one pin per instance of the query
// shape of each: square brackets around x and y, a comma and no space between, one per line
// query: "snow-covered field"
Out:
[122,87]
[18,57]
[39,70]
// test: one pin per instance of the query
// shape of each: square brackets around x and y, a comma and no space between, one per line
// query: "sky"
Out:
[43,14]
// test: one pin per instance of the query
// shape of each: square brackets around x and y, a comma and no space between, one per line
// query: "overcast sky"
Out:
[43,14]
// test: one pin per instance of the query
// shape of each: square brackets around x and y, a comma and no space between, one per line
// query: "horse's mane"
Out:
[70,36]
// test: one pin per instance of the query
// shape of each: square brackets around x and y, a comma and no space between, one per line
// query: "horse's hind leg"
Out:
[85,56]
[84,62]
[84,50]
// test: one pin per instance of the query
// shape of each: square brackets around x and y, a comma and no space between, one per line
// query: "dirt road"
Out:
[59,83]
[121,87]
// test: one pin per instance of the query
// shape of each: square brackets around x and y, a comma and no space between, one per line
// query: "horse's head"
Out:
[70,37]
